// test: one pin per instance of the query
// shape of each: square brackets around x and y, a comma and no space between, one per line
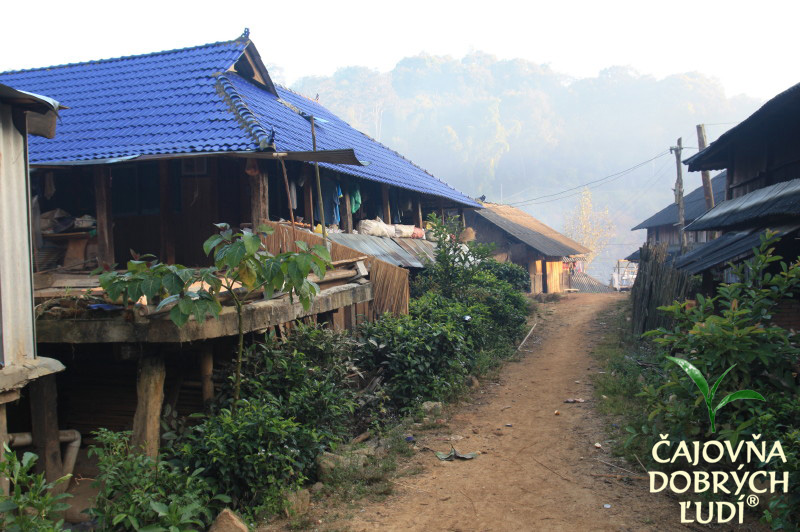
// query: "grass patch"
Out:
[627,365]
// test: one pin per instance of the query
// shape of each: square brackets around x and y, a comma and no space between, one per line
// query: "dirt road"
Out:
[535,468]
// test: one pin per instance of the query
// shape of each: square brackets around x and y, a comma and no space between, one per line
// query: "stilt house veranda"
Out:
[154,149]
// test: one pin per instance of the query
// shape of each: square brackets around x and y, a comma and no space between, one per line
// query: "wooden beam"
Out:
[387,208]
[4,483]
[149,400]
[105,221]
[418,220]
[259,194]
[258,316]
[165,211]
[44,428]
[347,219]
[207,372]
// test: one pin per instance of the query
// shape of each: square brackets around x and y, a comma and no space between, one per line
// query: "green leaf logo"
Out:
[708,395]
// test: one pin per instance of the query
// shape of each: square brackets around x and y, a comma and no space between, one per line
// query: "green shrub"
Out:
[473,320]
[513,274]
[139,492]
[313,395]
[420,360]
[508,308]
[733,328]
[30,505]
[253,453]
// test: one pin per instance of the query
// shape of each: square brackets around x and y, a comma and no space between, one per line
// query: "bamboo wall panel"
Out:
[657,284]
[390,282]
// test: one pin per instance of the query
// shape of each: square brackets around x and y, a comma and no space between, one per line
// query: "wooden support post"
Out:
[259,194]
[105,222]
[44,427]
[4,484]
[165,211]
[347,219]
[387,209]
[308,196]
[149,400]
[207,373]
[418,220]
[708,191]
[677,150]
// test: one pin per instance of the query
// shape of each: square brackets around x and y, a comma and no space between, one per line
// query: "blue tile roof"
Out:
[185,101]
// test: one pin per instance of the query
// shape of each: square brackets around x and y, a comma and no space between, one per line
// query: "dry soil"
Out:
[536,470]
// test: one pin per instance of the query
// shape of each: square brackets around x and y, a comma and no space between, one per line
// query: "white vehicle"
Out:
[624,275]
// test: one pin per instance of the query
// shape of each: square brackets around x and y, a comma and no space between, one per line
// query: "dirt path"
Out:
[535,470]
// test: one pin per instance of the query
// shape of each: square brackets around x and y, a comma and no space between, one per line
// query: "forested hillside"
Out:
[515,130]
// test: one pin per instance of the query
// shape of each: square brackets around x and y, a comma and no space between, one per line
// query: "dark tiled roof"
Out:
[726,248]
[530,231]
[694,205]
[775,202]
[775,116]
[186,101]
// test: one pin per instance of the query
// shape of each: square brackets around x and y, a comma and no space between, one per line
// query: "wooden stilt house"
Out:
[154,149]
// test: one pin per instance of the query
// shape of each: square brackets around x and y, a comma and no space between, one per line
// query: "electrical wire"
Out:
[596,183]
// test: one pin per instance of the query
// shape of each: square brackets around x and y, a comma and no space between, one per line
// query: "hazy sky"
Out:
[738,42]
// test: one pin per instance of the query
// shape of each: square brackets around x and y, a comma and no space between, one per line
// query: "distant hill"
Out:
[486,125]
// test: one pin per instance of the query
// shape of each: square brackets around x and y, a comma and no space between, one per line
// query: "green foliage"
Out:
[709,393]
[141,493]
[242,258]
[514,274]
[420,360]
[455,263]
[461,322]
[166,284]
[253,453]
[312,389]
[731,334]
[30,505]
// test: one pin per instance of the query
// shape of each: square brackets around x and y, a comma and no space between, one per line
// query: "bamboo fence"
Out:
[657,284]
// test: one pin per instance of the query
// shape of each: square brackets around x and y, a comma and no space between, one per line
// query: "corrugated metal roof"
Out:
[405,252]
[769,118]
[726,248]
[769,203]
[530,231]
[694,205]
[186,101]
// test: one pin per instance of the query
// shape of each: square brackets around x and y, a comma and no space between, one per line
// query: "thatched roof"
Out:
[530,231]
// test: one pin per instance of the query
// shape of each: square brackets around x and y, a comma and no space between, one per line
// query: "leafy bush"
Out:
[421,360]
[455,263]
[141,493]
[253,453]
[733,328]
[515,275]
[30,505]
[312,394]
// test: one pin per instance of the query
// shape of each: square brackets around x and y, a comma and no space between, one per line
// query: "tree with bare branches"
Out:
[589,226]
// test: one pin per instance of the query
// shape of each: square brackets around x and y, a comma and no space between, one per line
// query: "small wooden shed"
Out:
[21,113]
[520,238]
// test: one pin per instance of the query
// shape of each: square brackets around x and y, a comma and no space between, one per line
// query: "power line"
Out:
[596,183]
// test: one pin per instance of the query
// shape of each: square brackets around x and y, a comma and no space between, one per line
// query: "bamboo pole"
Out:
[319,186]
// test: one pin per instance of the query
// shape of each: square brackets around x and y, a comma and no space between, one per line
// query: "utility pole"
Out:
[679,193]
[708,191]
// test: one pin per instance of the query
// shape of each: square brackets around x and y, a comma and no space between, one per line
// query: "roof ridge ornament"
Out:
[245,34]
